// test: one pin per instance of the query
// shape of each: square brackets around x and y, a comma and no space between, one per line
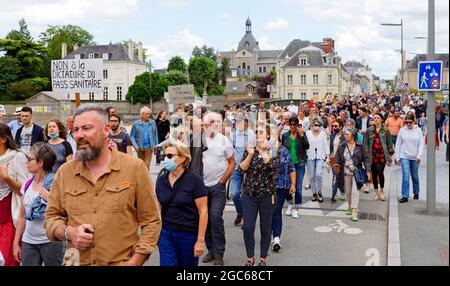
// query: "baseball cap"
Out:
[18,110]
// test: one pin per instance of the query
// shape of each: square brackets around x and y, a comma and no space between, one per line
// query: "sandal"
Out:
[250,262]
[262,263]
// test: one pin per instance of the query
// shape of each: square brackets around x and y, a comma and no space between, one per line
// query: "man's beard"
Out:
[114,128]
[89,154]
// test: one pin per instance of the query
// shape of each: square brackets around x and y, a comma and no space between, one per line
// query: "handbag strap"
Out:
[351,155]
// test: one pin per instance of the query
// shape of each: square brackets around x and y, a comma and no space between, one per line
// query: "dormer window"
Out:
[247,45]
[91,56]
[303,61]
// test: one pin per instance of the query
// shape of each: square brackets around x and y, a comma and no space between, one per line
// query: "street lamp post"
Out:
[401,50]
[150,71]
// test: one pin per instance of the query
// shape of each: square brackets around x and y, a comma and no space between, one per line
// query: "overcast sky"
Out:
[173,27]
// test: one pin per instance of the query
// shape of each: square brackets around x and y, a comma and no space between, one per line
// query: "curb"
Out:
[394,254]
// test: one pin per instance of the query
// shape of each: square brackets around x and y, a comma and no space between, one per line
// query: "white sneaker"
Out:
[289,209]
[276,244]
[295,214]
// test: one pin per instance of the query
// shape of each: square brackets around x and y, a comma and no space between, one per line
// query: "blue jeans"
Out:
[252,207]
[176,248]
[236,185]
[277,218]
[315,168]
[300,174]
[410,168]
[215,233]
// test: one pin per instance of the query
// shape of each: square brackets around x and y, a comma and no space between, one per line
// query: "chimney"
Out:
[130,50]
[328,45]
[75,47]
[140,52]
[63,50]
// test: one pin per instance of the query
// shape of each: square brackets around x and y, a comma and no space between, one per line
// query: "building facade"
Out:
[249,60]
[362,71]
[120,68]
[309,71]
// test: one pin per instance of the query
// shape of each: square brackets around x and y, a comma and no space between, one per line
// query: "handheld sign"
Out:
[75,76]
[430,76]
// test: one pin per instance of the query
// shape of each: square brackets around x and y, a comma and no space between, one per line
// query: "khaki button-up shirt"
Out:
[116,205]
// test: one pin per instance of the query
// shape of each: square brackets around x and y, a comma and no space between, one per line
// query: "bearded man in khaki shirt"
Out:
[98,201]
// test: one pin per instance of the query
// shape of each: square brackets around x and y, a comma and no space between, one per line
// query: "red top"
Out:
[5,209]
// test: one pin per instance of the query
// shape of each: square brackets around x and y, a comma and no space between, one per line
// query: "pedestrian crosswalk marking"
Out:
[339,211]
[311,209]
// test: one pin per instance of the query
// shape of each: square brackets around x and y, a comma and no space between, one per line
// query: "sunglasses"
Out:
[170,156]
[408,122]
[260,132]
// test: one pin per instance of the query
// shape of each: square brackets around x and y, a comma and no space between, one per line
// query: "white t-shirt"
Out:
[214,159]
[293,109]
[34,230]
[25,139]
[318,146]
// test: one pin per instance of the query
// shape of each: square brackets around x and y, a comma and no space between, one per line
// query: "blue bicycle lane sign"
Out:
[430,76]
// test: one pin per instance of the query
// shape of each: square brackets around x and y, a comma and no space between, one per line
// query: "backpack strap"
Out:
[28,184]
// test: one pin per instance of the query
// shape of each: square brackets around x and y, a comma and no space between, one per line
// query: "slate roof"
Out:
[414,63]
[270,54]
[314,57]
[117,52]
[238,87]
[296,45]
[252,43]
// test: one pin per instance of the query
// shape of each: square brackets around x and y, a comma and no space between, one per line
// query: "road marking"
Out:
[338,226]
[374,255]
[311,209]
[338,212]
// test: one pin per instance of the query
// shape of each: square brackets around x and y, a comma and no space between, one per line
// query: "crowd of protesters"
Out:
[79,187]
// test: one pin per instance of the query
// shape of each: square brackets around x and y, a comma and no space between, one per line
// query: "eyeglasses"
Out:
[29,159]
[409,122]
[170,156]
[335,126]
[260,132]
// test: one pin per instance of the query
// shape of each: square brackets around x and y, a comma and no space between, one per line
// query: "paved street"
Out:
[302,245]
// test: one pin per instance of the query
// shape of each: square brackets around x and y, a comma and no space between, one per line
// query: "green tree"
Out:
[31,56]
[216,89]
[135,48]
[201,70]
[176,77]
[224,71]
[40,83]
[140,91]
[177,64]
[22,34]
[54,36]
[21,90]
[204,51]
[9,72]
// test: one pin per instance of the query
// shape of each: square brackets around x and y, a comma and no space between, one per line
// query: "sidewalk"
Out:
[415,237]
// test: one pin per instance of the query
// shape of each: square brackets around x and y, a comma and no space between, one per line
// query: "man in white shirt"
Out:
[292,108]
[219,151]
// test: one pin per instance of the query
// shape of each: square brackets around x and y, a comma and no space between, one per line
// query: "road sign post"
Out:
[435,82]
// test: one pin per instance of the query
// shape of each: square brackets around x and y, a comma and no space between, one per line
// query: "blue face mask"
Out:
[53,136]
[169,165]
